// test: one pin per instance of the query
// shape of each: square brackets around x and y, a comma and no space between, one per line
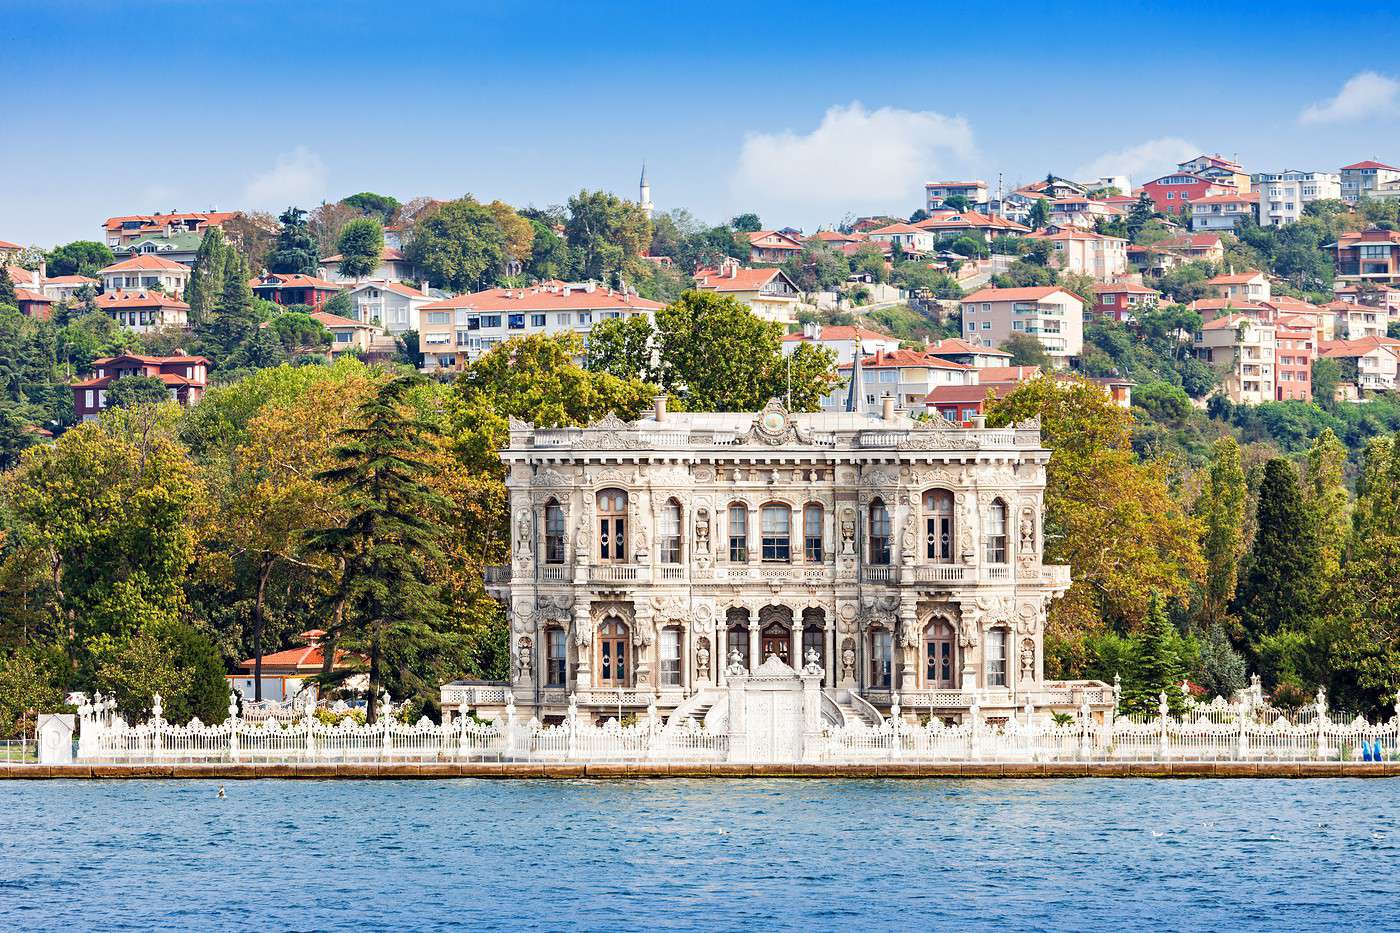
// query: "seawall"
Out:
[534,770]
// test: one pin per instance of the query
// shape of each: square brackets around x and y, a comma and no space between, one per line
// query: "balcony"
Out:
[880,574]
[617,573]
[941,573]
[555,573]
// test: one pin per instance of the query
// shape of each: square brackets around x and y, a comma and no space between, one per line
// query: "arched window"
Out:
[812,534]
[553,533]
[671,533]
[995,539]
[738,533]
[879,550]
[996,657]
[612,526]
[940,659]
[777,533]
[612,654]
[737,637]
[556,658]
[777,640]
[938,525]
[881,658]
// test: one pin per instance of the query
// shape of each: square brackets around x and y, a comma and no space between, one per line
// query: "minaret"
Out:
[644,192]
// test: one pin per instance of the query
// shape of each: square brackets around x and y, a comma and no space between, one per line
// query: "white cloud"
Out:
[864,159]
[297,178]
[1144,161]
[1366,94]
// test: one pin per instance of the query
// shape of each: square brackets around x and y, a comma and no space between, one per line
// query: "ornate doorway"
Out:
[612,654]
[940,659]
[777,640]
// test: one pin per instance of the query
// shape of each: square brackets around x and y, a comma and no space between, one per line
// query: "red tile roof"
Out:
[6,244]
[842,332]
[1235,278]
[969,220]
[1014,294]
[388,254]
[1229,320]
[1249,198]
[1219,304]
[952,345]
[20,275]
[547,296]
[160,220]
[955,184]
[972,393]
[1369,164]
[1359,347]
[990,375]
[335,320]
[742,279]
[1069,234]
[897,228]
[71,280]
[276,280]
[904,359]
[32,297]
[146,263]
[764,234]
[1190,241]
[1124,288]
[120,300]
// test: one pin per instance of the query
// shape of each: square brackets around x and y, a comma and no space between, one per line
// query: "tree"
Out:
[718,356]
[130,391]
[1326,494]
[1326,379]
[360,244]
[1039,214]
[621,346]
[233,326]
[8,298]
[388,533]
[1220,669]
[1281,580]
[81,257]
[549,254]
[1026,350]
[1160,665]
[1221,508]
[460,246]
[325,223]
[295,250]
[603,231]
[956,202]
[254,234]
[746,223]
[519,233]
[379,206]
[1139,215]
[1163,402]
[206,286]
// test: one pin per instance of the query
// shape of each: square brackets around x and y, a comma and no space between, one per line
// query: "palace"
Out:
[656,560]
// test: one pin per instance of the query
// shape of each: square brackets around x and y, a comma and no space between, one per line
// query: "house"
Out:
[907,237]
[181,247]
[1296,340]
[1224,211]
[146,272]
[393,267]
[1371,255]
[457,330]
[768,293]
[976,355]
[1283,195]
[836,238]
[936,192]
[907,376]
[347,336]
[1371,363]
[965,404]
[1052,315]
[1354,321]
[1081,212]
[1202,247]
[9,252]
[1055,187]
[1211,309]
[773,246]
[1218,169]
[142,311]
[293,288]
[184,376]
[1171,194]
[121,232]
[65,287]
[1084,252]
[285,673]
[1120,299]
[1243,286]
[981,226]
[844,341]
[394,306]
[1362,179]
[1243,349]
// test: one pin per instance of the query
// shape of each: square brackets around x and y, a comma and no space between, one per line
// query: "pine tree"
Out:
[1159,666]
[1281,582]
[207,276]
[1328,499]
[296,249]
[1222,507]
[7,289]
[236,320]
[390,532]
[1139,215]
[1039,214]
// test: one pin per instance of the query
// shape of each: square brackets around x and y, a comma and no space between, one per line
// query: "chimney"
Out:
[659,403]
[43,271]
[887,408]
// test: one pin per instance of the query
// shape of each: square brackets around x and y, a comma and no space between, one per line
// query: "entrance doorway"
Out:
[777,640]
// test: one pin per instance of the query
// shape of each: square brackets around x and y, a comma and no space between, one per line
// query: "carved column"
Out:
[583,644]
[833,661]
[645,674]
[908,641]
[795,652]
[755,643]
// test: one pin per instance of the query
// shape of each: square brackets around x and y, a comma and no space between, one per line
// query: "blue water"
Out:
[700,855]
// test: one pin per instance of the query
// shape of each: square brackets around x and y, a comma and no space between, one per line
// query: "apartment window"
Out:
[553,534]
[563,318]
[671,533]
[490,320]
[608,315]
[474,323]
[585,317]
[986,325]
[879,550]
[670,657]
[995,541]
[439,317]
[776,521]
[537,320]
[986,307]
[812,533]
[996,657]
[516,321]
[738,533]
[557,663]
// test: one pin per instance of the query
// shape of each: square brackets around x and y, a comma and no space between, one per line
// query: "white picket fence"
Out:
[1215,732]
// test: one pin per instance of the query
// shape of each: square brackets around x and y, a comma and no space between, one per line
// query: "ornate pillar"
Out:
[583,644]
[908,641]
[644,672]
[796,649]
[755,643]
[832,660]
[969,640]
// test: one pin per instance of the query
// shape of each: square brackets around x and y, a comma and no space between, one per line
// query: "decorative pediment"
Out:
[610,422]
[517,425]
[551,477]
[775,426]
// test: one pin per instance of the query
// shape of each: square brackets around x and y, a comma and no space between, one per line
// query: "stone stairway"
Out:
[855,707]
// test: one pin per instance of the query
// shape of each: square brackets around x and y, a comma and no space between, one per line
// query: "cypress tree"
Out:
[1222,507]
[236,321]
[296,249]
[7,289]
[1281,582]
[207,276]
[1159,666]
[1138,216]
[1327,498]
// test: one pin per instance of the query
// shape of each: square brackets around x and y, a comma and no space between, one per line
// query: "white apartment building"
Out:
[392,306]
[456,331]
[1083,252]
[1362,179]
[936,192]
[1052,315]
[842,340]
[906,376]
[1222,211]
[1283,195]
[146,272]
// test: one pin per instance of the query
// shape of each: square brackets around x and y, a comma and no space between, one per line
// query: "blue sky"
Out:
[803,112]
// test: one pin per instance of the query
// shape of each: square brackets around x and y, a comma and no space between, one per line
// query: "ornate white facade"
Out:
[655,560]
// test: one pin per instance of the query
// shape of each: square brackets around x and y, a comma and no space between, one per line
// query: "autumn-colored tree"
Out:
[519,233]
[1109,516]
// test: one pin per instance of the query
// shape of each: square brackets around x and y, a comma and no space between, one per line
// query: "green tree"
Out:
[1160,665]
[1139,215]
[1221,508]
[81,257]
[1220,669]
[1326,378]
[207,276]
[361,244]
[379,206]
[603,232]
[460,246]
[167,657]
[1281,581]
[549,254]
[956,202]
[746,223]
[389,532]
[621,346]
[1026,350]
[296,250]
[130,391]
[1039,214]
[1326,495]
[8,299]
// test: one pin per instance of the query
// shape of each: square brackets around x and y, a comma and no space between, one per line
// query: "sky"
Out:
[803,112]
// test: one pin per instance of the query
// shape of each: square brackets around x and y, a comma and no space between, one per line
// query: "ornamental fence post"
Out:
[310,722]
[157,726]
[1162,711]
[1324,752]
[974,733]
[573,725]
[652,750]
[510,723]
[1242,749]
[895,723]
[232,723]
[1085,725]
